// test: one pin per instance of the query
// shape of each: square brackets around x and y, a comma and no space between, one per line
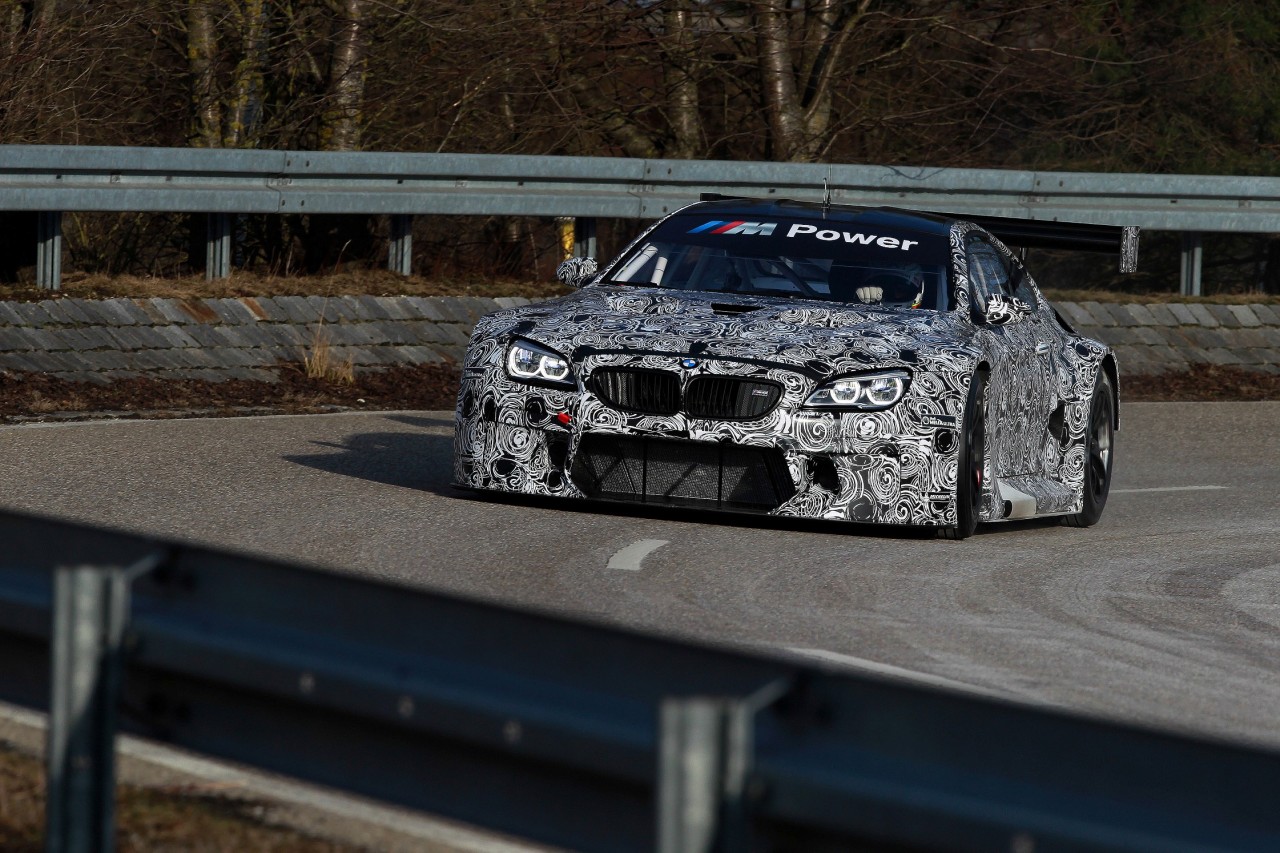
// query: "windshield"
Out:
[829,260]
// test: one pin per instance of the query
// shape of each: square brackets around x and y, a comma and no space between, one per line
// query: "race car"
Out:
[805,359]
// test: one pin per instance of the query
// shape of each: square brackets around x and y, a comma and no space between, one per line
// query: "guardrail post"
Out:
[584,237]
[80,754]
[706,749]
[1192,263]
[49,249]
[217,259]
[90,615]
[400,251]
[693,783]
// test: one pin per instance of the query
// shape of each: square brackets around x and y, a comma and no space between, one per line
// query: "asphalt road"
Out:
[1167,612]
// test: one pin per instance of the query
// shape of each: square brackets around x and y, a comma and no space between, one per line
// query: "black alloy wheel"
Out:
[973,453]
[1100,456]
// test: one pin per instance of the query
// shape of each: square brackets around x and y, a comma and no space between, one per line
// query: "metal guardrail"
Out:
[560,731]
[52,179]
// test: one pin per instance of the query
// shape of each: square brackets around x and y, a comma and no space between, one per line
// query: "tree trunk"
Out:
[12,22]
[202,51]
[798,95]
[778,82]
[42,14]
[680,69]
[246,110]
[340,124]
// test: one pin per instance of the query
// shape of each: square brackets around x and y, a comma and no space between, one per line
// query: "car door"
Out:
[1045,340]
[1016,414]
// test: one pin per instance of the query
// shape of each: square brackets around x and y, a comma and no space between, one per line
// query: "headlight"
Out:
[868,391]
[528,362]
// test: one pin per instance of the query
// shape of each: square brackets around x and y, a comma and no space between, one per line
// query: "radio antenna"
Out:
[826,197]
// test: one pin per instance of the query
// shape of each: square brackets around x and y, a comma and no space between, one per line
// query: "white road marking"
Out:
[630,557]
[1168,489]
[891,671]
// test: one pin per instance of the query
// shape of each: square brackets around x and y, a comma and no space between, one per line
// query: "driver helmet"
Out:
[914,274]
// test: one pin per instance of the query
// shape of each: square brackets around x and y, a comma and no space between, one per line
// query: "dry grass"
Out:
[371,282]
[380,282]
[148,819]
[44,405]
[1202,383]
[318,361]
[422,386]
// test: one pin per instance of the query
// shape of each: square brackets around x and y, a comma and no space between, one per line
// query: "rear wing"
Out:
[1043,234]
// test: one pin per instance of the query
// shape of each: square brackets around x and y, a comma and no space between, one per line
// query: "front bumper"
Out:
[892,467]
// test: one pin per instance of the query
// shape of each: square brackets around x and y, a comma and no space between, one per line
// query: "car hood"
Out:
[816,336]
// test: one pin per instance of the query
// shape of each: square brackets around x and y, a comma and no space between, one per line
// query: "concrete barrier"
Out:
[100,340]
[244,338]
[1162,337]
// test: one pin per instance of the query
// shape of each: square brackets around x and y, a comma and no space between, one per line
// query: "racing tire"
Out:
[1099,454]
[969,467]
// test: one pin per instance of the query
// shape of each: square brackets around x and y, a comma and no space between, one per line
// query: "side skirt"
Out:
[1031,496]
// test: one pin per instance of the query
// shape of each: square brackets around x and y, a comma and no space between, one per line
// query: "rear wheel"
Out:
[1099,457]
[970,465]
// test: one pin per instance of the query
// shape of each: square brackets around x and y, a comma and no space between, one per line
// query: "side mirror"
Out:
[1002,310]
[575,272]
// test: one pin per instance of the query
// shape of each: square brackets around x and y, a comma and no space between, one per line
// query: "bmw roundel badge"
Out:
[688,363]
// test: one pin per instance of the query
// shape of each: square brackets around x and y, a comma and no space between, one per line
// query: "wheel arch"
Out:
[1113,373]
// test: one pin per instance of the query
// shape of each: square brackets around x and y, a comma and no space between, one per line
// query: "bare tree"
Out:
[797,89]
[340,127]
[682,64]
[202,49]
[55,72]
[248,78]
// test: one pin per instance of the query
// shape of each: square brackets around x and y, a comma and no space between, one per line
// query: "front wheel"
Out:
[969,467]
[1098,447]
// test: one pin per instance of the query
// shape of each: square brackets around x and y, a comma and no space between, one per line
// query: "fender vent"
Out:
[1058,423]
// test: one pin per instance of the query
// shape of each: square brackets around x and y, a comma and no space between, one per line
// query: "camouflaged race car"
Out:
[801,359]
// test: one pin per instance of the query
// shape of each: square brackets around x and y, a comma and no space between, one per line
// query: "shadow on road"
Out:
[695,515]
[420,421]
[415,460]
[406,459]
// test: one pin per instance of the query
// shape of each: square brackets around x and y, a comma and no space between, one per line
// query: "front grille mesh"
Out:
[730,398]
[657,392]
[682,473]
[651,392]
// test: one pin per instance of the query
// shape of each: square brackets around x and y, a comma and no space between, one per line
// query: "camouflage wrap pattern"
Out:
[893,466]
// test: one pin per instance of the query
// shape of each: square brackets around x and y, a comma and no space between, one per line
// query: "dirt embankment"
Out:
[35,396]
[373,282]
[27,396]
[24,396]
[1204,383]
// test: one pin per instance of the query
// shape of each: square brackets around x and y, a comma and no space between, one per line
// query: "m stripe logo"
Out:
[719,226]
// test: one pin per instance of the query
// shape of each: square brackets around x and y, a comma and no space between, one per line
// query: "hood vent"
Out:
[729,309]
